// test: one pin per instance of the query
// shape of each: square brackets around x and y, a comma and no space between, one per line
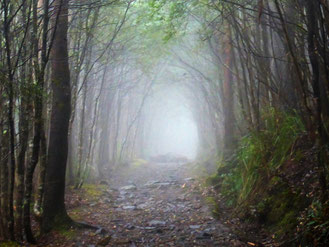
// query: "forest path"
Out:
[158,204]
[145,205]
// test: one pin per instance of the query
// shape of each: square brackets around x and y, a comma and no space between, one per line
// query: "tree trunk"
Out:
[23,140]
[54,213]
[42,175]
[227,95]
[4,200]
[321,137]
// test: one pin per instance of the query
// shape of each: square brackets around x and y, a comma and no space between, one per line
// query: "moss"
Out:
[76,213]
[93,190]
[9,244]
[299,155]
[288,224]
[211,201]
[68,234]
[139,162]
[213,179]
[279,210]
[198,169]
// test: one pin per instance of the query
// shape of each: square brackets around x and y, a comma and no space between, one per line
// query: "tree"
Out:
[54,212]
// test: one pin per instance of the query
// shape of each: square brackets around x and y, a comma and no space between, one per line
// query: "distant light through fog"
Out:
[173,129]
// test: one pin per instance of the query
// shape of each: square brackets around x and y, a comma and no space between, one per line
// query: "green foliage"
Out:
[262,152]
[313,226]
[169,18]
[249,180]
[171,15]
[279,208]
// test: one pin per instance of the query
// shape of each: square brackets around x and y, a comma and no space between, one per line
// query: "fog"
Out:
[172,128]
[156,115]
[142,97]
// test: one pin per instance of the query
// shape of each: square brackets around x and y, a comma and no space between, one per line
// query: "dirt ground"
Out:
[146,205]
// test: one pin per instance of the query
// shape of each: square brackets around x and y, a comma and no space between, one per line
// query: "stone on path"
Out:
[105,241]
[194,227]
[204,235]
[158,184]
[142,206]
[129,187]
[129,207]
[157,223]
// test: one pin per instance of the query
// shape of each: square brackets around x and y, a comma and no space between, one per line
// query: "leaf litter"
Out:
[162,206]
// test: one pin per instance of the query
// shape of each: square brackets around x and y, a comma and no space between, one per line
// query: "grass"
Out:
[249,178]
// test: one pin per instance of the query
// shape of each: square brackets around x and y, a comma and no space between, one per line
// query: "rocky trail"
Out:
[147,205]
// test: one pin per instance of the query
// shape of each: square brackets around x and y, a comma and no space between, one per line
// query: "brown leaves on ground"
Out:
[158,206]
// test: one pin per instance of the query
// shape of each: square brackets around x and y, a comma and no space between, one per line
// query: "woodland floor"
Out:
[149,205]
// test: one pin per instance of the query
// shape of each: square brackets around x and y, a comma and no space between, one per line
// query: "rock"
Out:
[150,183]
[121,242]
[181,198]
[211,229]
[164,184]
[204,235]
[189,179]
[223,228]
[149,228]
[169,158]
[100,231]
[237,243]
[194,227]
[121,198]
[155,184]
[92,204]
[172,227]
[142,206]
[129,226]
[157,223]
[106,200]
[105,241]
[180,205]
[132,244]
[129,207]
[123,193]
[146,228]
[128,187]
[158,231]
[107,193]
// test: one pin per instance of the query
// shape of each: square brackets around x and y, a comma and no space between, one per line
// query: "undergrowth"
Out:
[259,155]
[262,180]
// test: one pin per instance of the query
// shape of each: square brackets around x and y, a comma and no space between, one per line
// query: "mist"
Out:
[172,128]
[164,123]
